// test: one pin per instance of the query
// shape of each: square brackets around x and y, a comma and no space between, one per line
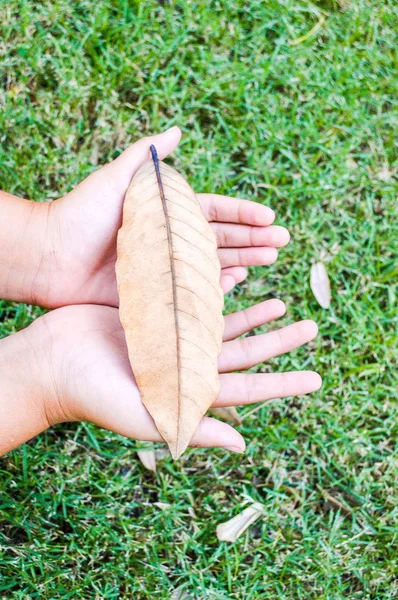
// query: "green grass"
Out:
[316,123]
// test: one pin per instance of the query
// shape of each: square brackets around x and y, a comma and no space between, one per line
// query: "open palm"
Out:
[83,226]
[93,380]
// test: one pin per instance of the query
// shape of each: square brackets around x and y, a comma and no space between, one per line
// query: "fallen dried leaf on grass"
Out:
[229,413]
[147,459]
[171,301]
[232,529]
[320,284]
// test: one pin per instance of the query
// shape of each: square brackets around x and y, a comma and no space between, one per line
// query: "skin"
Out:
[72,365]
[64,252]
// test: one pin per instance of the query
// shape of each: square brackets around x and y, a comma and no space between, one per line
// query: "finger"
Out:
[246,388]
[128,163]
[247,352]
[237,236]
[231,276]
[116,176]
[238,273]
[233,210]
[227,283]
[245,257]
[245,320]
[119,417]
[212,433]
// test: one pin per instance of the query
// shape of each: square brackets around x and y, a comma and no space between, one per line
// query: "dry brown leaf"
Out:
[232,529]
[171,301]
[320,284]
[148,459]
[228,413]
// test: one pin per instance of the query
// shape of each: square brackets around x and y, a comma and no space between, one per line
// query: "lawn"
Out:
[304,121]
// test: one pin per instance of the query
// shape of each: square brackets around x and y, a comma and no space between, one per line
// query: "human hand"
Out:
[83,225]
[91,377]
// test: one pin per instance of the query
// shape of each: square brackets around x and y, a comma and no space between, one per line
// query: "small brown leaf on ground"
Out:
[148,459]
[232,529]
[320,284]
[229,413]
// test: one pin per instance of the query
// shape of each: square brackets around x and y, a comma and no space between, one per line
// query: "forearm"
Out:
[25,250]
[24,391]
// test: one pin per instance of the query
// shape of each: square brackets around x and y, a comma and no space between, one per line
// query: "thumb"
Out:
[123,168]
[114,178]
[213,433]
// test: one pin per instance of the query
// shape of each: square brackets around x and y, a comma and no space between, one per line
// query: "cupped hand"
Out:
[83,225]
[91,378]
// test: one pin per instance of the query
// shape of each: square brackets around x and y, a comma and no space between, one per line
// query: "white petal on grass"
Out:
[229,413]
[232,529]
[320,284]
[148,459]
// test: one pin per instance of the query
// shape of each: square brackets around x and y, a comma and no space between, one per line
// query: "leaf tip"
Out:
[147,459]
[176,450]
[154,153]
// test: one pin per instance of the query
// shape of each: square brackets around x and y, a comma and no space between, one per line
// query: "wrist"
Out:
[25,245]
[45,353]
[25,389]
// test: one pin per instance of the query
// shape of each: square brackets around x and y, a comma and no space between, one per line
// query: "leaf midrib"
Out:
[174,285]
